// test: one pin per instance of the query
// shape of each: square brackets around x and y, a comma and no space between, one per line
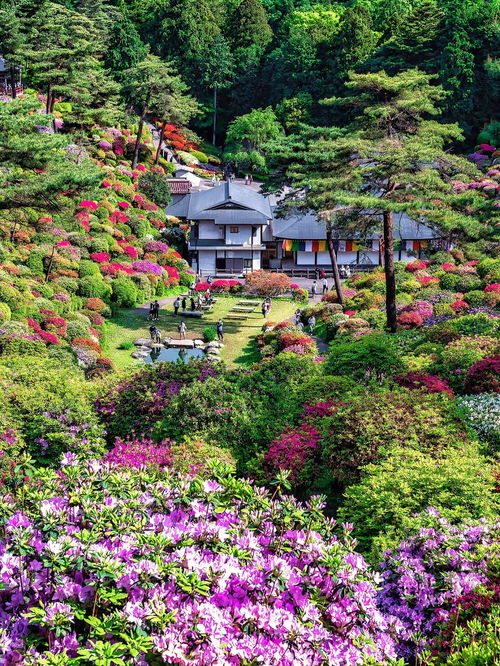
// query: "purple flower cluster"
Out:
[429,572]
[196,572]
[147,267]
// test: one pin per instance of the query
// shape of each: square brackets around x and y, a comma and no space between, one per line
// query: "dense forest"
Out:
[281,55]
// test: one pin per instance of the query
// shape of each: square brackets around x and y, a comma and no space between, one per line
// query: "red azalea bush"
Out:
[203,286]
[422,380]
[87,342]
[172,272]
[459,306]
[263,283]
[495,287]
[418,265]
[449,268]
[95,304]
[483,376]
[100,257]
[294,450]
[56,325]
[410,319]
[48,338]
[288,339]
[426,280]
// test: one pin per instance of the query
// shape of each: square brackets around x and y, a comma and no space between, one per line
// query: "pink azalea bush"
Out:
[139,453]
[193,565]
[147,267]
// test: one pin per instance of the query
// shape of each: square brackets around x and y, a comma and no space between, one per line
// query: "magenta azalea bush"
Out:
[147,267]
[426,575]
[196,572]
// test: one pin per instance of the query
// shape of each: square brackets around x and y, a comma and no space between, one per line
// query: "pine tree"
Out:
[11,43]
[389,159]
[250,25]
[153,86]
[36,168]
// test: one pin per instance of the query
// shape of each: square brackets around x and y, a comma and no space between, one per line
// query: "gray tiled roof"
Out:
[309,227]
[231,216]
[194,205]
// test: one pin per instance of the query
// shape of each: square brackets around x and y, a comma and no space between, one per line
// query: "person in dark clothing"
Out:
[184,303]
[156,310]
[155,334]
[193,304]
[263,307]
[220,330]
[151,314]
[177,305]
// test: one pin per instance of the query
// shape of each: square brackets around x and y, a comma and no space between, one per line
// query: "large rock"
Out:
[143,342]
[139,354]
[198,343]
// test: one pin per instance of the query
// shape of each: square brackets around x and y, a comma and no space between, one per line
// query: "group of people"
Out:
[314,287]
[154,311]
[311,322]
[266,307]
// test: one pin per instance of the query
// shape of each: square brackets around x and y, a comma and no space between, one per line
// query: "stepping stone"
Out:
[198,343]
[231,315]
[139,354]
[143,342]
[191,313]
[181,344]
[248,302]
[241,308]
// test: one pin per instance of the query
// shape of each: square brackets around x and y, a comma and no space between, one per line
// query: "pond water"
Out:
[173,354]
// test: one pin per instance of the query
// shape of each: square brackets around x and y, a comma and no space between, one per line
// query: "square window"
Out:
[234,230]
[247,263]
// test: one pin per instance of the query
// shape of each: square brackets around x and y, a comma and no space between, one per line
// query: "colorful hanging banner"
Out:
[351,246]
[336,246]
[287,245]
[322,246]
[416,246]
[423,244]
[295,246]
[302,246]
[309,246]
[315,246]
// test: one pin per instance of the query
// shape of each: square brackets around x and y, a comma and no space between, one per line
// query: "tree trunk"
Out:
[135,158]
[49,265]
[214,125]
[49,95]
[380,251]
[13,82]
[333,259]
[390,280]
[160,141]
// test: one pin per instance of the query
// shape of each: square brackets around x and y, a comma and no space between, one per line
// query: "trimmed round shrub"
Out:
[483,376]
[209,334]
[93,286]
[125,292]
[77,329]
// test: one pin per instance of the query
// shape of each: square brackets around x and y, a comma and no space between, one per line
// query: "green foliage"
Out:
[370,358]
[156,187]
[405,482]
[93,286]
[209,409]
[209,334]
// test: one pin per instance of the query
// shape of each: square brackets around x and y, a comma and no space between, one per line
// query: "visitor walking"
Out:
[314,288]
[325,285]
[155,334]
[177,305]
[322,274]
[220,330]
[193,305]
[151,311]
[263,308]
[199,301]
[268,305]
[250,179]
[298,317]
[312,323]
[184,303]
[182,328]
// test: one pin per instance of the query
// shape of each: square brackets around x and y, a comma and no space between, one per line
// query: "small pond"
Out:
[173,354]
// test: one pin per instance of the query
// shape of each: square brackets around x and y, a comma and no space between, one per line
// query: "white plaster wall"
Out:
[207,262]
[207,229]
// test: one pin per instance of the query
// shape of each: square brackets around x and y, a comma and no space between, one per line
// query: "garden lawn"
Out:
[127,325]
